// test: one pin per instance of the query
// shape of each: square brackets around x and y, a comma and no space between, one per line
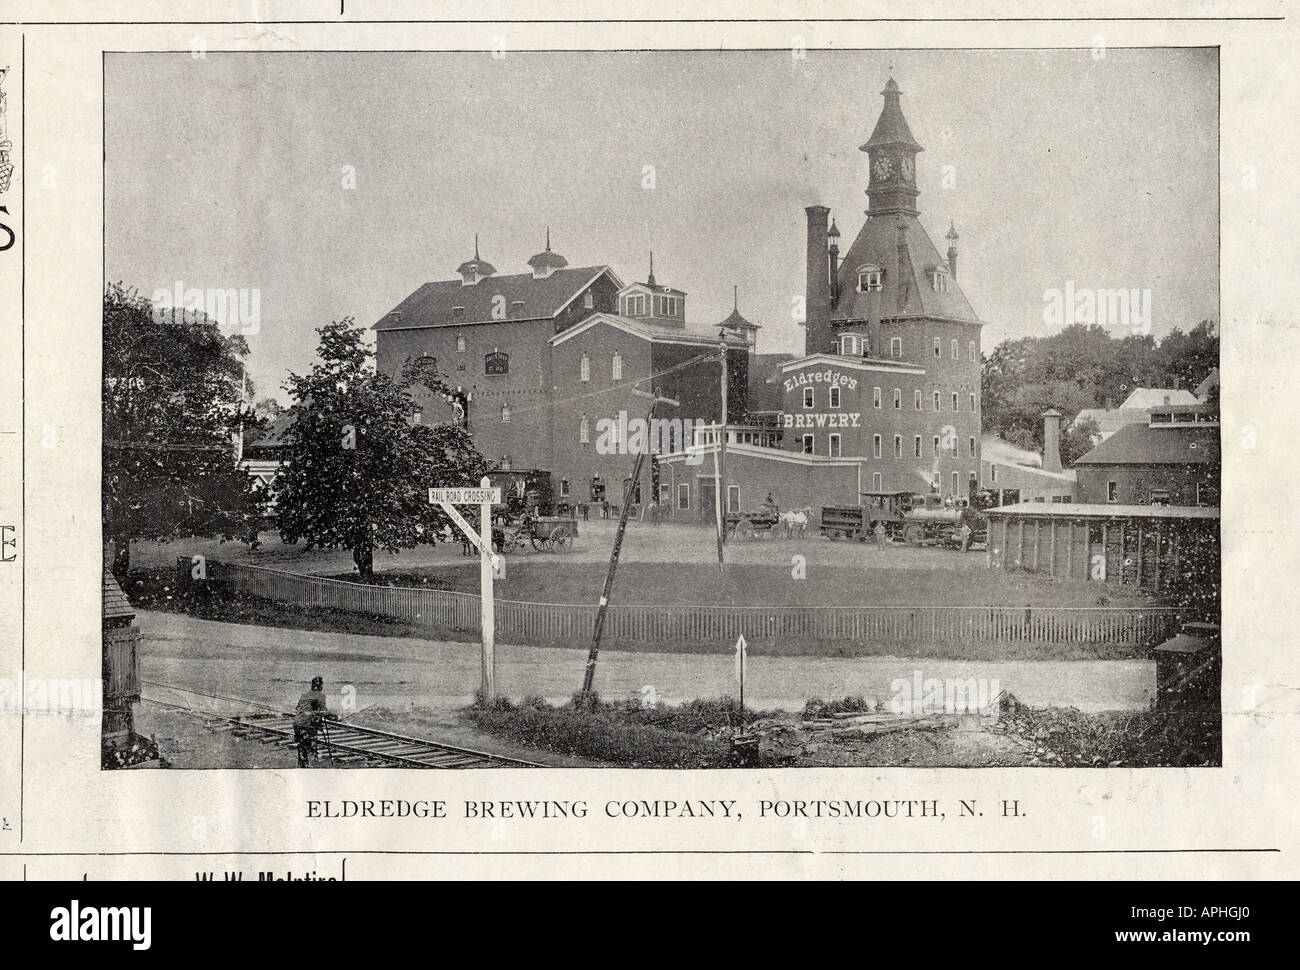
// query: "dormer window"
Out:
[869,279]
[939,280]
[457,312]
[588,300]
[634,305]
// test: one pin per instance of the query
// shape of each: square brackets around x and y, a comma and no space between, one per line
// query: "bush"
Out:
[815,707]
[603,732]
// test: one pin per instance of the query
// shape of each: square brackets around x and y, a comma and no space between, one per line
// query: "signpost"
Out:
[484,497]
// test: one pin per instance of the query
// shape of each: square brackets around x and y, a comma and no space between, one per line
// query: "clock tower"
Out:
[892,152]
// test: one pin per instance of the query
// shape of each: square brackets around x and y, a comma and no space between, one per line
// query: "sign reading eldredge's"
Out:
[829,377]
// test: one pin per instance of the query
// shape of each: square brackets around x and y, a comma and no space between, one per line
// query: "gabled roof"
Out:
[526,298]
[643,329]
[115,604]
[1110,420]
[1154,397]
[1203,388]
[1141,444]
[877,245]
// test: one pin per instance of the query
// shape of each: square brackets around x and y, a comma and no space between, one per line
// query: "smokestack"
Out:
[1052,440]
[817,301]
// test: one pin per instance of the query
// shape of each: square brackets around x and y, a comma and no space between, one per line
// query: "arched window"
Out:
[584,431]
[505,413]
[869,278]
[616,367]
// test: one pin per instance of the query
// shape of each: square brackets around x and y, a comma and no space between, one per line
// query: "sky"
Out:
[334,184]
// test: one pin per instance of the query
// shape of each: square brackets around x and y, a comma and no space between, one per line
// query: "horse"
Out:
[795,519]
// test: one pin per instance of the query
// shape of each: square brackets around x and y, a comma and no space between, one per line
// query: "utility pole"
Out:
[722,442]
[589,675]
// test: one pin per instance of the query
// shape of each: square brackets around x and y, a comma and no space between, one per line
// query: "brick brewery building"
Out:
[887,394]
[884,398]
[539,360]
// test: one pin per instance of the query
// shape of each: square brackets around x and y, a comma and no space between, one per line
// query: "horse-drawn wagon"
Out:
[545,533]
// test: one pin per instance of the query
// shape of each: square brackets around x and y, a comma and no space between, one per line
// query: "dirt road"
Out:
[273,666]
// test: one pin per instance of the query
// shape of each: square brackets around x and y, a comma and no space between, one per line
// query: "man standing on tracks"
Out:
[309,714]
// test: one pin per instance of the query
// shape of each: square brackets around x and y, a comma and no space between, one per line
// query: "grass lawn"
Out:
[555,580]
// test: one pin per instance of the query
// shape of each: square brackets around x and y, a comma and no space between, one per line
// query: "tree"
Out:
[358,470]
[171,403]
[268,409]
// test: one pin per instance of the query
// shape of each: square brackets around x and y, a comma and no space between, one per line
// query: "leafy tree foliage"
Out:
[358,469]
[1084,367]
[171,403]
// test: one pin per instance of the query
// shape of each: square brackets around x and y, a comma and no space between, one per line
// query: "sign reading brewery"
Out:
[496,363]
[832,419]
[831,378]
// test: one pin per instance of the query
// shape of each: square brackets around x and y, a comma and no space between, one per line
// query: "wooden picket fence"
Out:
[451,612]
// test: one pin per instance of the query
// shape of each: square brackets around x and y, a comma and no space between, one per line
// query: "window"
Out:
[956,350]
[616,367]
[955,399]
[916,446]
[896,347]
[936,446]
[973,479]
[898,446]
[1112,491]
[460,342]
[833,448]
[634,305]
[584,431]
[564,488]
[875,481]
[916,399]
[807,444]
[937,405]
[875,397]
[807,397]
[869,279]
[505,414]
[835,397]
[973,355]
[849,345]
[971,442]
[972,404]
[938,347]
[956,484]
[898,399]
[733,498]
[684,496]
[588,299]
[875,445]
[665,494]
[993,473]
[584,368]
[1200,496]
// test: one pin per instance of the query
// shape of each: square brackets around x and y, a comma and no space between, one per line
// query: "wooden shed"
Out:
[1153,547]
[121,663]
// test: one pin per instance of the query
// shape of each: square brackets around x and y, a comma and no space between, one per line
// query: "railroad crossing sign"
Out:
[483,497]
[465,496]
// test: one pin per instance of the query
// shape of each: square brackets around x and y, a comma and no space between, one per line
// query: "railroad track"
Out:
[347,745]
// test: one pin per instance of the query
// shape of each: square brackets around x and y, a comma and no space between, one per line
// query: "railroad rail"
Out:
[348,745]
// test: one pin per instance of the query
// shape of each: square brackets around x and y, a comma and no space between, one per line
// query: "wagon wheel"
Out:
[541,543]
[561,538]
[912,534]
[744,529]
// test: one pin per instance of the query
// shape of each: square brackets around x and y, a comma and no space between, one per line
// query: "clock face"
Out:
[884,167]
[908,171]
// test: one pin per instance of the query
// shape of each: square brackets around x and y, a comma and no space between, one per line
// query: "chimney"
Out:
[817,302]
[1052,440]
[904,265]
[952,238]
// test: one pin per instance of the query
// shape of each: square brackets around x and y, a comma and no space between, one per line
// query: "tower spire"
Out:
[651,279]
[892,151]
[475,246]
[548,239]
